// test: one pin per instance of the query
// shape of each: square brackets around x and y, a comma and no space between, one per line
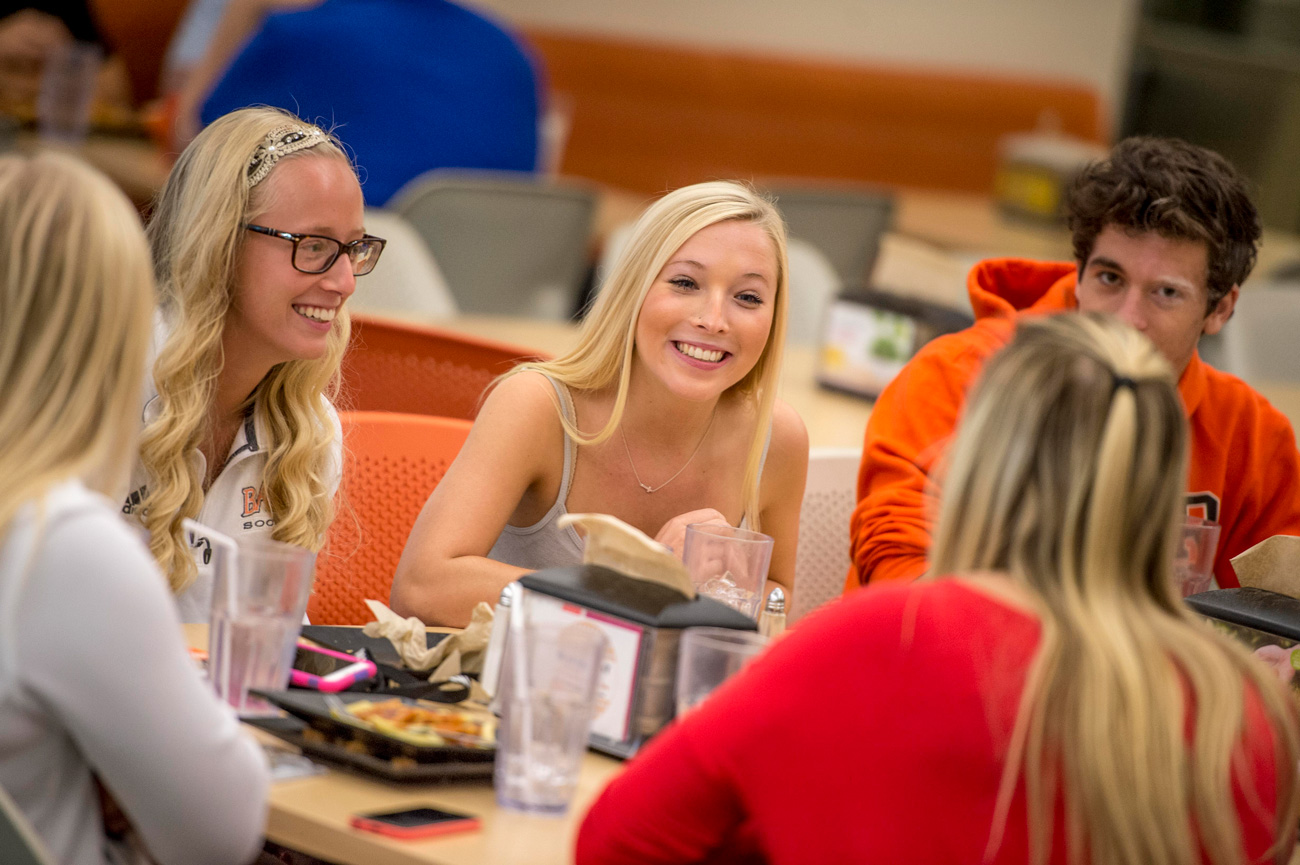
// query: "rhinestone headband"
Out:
[280,142]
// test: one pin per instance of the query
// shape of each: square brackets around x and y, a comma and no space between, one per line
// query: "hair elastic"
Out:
[1123,381]
[280,142]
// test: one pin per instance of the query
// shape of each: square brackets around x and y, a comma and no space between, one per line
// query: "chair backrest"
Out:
[407,279]
[823,557]
[508,244]
[844,224]
[19,844]
[813,285]
[392,463]
[1258,342]
[393,366]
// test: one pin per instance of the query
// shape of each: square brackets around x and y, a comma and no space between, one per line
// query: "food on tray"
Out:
[427,726]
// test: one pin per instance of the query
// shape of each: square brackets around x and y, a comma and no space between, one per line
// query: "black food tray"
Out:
[311,707]
[343,638]
[1260,609]
[291,730]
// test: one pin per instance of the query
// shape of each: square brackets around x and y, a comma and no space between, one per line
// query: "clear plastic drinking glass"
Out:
[728,564]
[1194,562]
[548,701]
[707,657]
[68,84]
[259,595]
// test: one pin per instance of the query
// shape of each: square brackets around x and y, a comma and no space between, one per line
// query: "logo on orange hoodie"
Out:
[1204,505]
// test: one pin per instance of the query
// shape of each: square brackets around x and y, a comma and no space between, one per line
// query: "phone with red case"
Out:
[415,823]
[327,670]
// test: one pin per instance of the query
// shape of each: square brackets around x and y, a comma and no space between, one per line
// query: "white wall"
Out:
[1074,40]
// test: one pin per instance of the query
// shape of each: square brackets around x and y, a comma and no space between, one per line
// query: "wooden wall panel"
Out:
[651,117]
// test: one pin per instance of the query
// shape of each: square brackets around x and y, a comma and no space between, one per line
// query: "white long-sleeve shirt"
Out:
[95,677]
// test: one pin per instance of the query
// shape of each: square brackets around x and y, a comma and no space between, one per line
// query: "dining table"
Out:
[311,814]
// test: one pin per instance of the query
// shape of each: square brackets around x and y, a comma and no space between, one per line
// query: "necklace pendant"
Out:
[647,487]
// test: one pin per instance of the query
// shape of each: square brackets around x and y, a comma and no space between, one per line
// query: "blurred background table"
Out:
[134,163]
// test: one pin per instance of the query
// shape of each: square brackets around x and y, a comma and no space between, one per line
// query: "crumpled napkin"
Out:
[458,653]
[1273,564]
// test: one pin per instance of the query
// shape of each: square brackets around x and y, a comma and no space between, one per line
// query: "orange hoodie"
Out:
[1244,472]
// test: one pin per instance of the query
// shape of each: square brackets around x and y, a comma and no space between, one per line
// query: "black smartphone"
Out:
[415,823]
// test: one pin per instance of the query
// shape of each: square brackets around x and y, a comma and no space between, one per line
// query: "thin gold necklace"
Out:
[645,486]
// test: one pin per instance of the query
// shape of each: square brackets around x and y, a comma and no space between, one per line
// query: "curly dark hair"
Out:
[1176,189]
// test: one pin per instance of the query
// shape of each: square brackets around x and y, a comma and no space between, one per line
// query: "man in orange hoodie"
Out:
[1164,233]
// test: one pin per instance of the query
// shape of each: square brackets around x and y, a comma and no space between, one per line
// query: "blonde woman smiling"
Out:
[95,681]
[1044,696]
[665,414]
[257,243]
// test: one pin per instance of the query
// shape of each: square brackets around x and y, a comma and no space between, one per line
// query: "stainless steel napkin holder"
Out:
[643,622]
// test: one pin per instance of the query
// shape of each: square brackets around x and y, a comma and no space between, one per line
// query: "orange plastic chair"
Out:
[399,367]
[391,464]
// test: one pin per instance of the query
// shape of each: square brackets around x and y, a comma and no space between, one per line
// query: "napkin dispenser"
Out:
[643,621]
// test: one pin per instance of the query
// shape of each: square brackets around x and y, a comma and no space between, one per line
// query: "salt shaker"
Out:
[771,622]
[494,657]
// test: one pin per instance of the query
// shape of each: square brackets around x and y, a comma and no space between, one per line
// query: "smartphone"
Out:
[328,670]
[415,823]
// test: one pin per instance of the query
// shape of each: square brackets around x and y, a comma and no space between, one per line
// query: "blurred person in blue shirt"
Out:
[408,85]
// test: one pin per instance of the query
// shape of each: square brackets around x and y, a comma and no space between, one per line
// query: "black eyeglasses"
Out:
[313,253]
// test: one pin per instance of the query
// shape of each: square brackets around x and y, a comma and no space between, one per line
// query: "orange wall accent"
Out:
[650,117]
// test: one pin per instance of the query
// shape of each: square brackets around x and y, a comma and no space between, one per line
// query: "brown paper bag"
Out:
[1272,564]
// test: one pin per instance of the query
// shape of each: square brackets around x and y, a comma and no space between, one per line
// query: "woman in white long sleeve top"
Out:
[95,682]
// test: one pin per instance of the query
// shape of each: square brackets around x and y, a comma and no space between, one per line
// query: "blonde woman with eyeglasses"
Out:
[1043,696]
[665,414]
[257,241]
[96,685]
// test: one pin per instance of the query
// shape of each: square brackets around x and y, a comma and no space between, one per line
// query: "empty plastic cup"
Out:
[1194,562]
[68,84]
[548,701]
[728,564]
[259,596]
[707,657]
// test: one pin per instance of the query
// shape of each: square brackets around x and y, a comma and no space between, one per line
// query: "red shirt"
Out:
[875,731]
[1244,467]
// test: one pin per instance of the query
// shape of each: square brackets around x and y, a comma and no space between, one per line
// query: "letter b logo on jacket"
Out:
[252,501]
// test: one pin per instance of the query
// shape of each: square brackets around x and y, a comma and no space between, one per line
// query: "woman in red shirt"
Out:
[1046,697]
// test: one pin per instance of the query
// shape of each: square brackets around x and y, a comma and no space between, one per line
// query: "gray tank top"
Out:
[544,544]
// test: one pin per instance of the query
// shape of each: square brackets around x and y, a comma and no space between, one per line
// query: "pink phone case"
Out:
[339,680]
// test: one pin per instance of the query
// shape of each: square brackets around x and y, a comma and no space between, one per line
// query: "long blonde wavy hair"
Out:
[607,339]
[196,234]
[76,299]
[1068,474]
